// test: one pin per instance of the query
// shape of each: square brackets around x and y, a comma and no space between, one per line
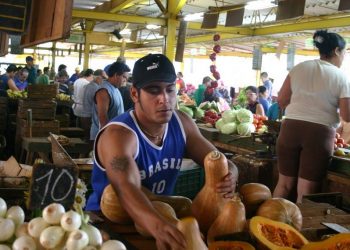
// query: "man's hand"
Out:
[227,186]
[168,237]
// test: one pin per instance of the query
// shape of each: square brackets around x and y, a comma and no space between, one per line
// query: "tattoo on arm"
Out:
[119,164]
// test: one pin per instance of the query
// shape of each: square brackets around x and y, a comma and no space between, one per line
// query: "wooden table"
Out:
[42,146]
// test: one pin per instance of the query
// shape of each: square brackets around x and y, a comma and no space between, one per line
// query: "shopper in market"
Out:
[7,80]
[108,100]
[31,70]
[253,103]
[312,93]
[268,85]
[145,146]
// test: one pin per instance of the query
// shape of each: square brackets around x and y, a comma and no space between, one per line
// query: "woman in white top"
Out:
[312,94]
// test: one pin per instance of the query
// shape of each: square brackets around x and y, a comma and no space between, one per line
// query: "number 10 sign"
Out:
[51,183]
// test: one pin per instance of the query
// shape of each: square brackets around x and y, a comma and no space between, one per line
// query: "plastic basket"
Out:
[190,182]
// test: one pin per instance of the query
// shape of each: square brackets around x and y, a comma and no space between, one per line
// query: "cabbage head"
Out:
[219,123]
[229,128]
[244,115]
[229,116]
[245,128]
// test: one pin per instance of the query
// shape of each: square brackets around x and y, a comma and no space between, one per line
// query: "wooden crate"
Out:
[252,169]
[39,128]
[39,91]
[3,113]
[64,120]
[41,109]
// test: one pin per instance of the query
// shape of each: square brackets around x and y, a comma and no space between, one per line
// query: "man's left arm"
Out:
[197,147]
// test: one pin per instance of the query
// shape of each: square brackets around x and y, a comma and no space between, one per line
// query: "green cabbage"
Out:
[229,128]
[229,116]
[245,128]
[244,115]
[219,123]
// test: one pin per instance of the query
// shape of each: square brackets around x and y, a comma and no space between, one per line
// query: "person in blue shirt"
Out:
[275,113]
[21,80]
[268,85]
[145,147]
[263,95]
[7,80]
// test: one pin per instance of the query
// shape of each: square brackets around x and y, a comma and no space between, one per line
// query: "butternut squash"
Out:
[164,210]
[275,235]
[282,210]
[338,241]
[181,205]
[230,220]
[111,207]
[253,195]
[208,203]
[189,228]
[230,245]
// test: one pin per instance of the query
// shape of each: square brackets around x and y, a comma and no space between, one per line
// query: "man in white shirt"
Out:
[83,120]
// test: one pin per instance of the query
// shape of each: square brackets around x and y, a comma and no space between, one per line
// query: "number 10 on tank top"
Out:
[51,183]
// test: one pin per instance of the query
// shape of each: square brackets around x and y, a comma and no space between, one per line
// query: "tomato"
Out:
[263,118]
[340,145]
[337,135]
[346,145]
[259,125]
[340,140]
[255,121]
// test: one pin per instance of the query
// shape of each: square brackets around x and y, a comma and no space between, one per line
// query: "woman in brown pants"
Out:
[312,94]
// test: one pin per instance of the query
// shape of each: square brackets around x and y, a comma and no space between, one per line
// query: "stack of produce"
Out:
[17,94]
[56,229]
[241,122]
[63,97]
[274,222]
[207,112]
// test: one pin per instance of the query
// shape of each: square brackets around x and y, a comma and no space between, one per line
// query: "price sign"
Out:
[51,183]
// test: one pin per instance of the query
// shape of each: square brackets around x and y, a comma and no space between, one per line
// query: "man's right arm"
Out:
[102,103]
[116,147]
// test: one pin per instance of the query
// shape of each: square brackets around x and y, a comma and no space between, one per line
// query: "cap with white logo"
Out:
[153,68]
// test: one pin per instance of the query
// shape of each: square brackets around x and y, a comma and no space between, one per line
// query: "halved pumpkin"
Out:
[230,245]
[276,235]
[336,242]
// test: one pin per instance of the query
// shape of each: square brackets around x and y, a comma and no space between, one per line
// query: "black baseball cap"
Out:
[29,58]
[153,68]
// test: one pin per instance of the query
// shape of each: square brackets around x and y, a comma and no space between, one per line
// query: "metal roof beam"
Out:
[122,4]
[96,15]
[323,23]
[207,38]
[222,29]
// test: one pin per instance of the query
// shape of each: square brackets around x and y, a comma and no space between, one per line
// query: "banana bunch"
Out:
[16,94]
[62,97]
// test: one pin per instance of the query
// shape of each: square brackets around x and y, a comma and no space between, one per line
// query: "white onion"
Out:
[36,226]
[24,243]
[7,229]
[113,245]
[77,240]
[22,230]
[71,221]
[51,237]
[95,237]
[16,214]
[52,213]
[3,207]
[4,247]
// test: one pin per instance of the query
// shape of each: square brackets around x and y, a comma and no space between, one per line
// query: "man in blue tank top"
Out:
[145,147]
